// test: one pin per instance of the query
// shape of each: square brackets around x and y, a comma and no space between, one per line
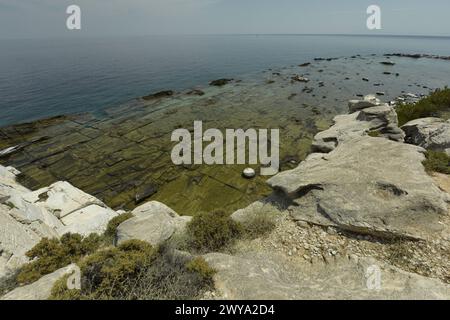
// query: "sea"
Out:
[40,78]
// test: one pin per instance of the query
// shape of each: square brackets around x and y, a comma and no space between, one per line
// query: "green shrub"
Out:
[105,273]
[50,255]
[430,106]
[134,271]
[111,229]
[171,276]
[374,133]
[437,162]
[212,231]
[60,291]
[200,266]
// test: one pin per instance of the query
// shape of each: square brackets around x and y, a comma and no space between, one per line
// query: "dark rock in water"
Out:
[387,73]
[380,93]
[388,63]
[196,92]
[145,192]
[292,96]
[365,79]
[160,94]
[220,82]
[305,64]
[299,78]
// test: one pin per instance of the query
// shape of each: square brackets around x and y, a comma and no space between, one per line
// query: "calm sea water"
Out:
[42,78]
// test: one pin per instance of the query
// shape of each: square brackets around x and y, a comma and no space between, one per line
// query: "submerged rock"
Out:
[160,94]
[299,78]
[429,133]
[367,185]
[220,82]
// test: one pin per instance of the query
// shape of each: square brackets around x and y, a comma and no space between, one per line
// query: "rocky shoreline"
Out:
[361,200]
[123,156]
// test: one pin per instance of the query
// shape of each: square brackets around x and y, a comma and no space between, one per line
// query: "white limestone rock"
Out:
[152,222]
[41,289]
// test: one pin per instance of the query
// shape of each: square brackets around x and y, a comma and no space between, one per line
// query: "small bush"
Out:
[430,106]
[171,276]
[111,229]
[259,223]
[134,271]
[437,162]
[106,273]
[200,266]
[50,255]
[374,133]
[60,291]
[8,283]
[212,231]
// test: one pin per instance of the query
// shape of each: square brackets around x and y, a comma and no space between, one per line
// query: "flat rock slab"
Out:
[91,219]
[266,277]
[152,222]
[367,185]
[61,199]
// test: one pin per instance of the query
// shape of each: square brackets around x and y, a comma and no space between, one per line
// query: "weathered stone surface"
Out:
[26,217]
[8,184]
[153,222]
[91,219]
[367,102]
[264,276]
[429,133]
[62,199]
[41,289]
[380,118]
[15,240]
[368,185]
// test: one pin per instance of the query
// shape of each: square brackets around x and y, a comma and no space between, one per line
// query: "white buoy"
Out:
[249,173]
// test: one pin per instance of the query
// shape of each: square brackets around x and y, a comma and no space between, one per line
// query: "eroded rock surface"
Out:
[369,185]
[265,276]
[28,216]
[41,289]
[153,222]
[429,133]
[367,115]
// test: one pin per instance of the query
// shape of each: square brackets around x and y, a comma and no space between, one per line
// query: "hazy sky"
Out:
[46,18]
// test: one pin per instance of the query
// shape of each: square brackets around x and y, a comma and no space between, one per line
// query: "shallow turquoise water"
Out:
[59,76]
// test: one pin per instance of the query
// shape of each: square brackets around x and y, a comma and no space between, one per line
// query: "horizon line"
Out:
[81,35]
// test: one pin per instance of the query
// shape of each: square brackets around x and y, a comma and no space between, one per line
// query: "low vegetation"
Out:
[212,231]
[50,255]
[136,271]
[259,223]
[374,133]
[437,162]
[431,106]
[111,229]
